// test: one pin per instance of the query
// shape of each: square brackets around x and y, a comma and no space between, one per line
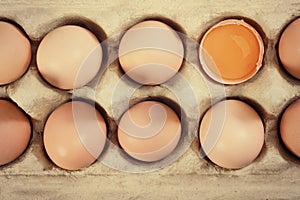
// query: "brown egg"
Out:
[151,52]
[15,132]
[289,48]
[69,57]
[289,128]
[149,131]
[231,134]
[15,53]
[74,135]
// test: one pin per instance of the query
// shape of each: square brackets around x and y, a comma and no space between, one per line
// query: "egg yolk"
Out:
[233,51]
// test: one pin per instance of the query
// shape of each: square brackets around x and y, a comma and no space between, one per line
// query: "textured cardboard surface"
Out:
[275,174]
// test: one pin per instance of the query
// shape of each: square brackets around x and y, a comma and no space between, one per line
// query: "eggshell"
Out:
[289,48]
[69,57]
[15,53]
[149,131]
[15,132]
[289,128]
[151,52]
[231,52]
[74,135]
[231,134]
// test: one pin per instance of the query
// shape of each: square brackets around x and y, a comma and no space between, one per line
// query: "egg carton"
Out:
[185,174]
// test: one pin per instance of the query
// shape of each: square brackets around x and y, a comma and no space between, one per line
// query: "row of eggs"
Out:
[231,133]
[150,53]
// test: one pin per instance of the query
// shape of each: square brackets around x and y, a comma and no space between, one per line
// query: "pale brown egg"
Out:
[289,48]
[15,53]
[289,128]
[69,57]
[15,132]
[231,134]
[74,135]
[151,52]
[149,131]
